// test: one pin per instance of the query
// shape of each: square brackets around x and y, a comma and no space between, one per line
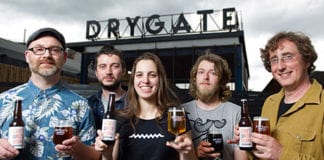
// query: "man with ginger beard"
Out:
[210,110]
[110,68]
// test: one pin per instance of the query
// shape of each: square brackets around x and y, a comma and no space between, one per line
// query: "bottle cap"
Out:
[17,98]
[243,100]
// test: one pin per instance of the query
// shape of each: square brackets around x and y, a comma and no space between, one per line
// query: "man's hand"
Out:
[7,151]
[267,147]
[205,149]
[68,145]
[236,137]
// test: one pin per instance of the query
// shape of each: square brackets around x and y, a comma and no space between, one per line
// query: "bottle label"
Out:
[108,129]
[245,137]
[16,137]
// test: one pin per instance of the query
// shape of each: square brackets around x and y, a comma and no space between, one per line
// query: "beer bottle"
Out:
[245,127]
[16,127]
[109,121]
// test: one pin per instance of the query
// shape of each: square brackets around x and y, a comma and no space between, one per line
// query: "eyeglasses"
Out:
[42,50]
[286,58]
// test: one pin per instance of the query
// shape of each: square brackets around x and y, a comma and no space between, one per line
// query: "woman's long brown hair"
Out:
[163,98]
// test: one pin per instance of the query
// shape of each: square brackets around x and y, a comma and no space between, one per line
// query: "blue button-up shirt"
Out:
[40,110]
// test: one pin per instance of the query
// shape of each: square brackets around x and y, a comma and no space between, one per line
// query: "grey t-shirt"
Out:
[223,118]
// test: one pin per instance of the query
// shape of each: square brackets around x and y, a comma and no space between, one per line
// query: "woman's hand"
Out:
[183,144]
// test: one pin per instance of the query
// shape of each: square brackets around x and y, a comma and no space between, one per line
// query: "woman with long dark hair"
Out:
[142,127]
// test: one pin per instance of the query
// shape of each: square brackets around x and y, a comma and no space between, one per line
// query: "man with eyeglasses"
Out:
[296,112]
[45,100]
[41,50]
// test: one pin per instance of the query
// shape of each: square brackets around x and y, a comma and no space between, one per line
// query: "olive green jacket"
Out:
[301,129]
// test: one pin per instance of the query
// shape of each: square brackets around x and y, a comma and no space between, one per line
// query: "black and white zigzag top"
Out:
[148,142]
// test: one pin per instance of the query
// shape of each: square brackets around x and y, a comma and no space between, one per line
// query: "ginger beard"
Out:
[206,92]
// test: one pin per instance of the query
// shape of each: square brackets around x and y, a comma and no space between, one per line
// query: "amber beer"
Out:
[245,128]
[16,128]
[62,131]
[261,125]
[176,121]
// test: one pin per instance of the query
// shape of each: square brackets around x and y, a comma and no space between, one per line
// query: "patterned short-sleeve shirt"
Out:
[40,110]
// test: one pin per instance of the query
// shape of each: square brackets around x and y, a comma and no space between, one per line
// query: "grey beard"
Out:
[47,73]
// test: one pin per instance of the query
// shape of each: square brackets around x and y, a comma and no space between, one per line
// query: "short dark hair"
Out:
[109,49]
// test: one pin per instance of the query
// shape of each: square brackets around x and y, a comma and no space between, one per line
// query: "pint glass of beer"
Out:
[261,125]
[176,120]
[215,137]
[62,130]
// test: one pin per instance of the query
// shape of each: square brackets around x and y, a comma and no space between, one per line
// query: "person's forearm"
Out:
[240,154]
[109,153]
[86,152]
[106,156]
[188,156]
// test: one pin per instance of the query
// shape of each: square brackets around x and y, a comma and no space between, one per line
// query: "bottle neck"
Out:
[17,111]
[111,105]
[244,110]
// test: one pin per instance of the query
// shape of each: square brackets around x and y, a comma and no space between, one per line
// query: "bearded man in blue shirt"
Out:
[45,100]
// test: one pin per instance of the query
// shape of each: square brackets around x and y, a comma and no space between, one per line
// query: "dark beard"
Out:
[112,87]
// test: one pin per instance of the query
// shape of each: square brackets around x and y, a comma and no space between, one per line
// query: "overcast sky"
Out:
[261,19]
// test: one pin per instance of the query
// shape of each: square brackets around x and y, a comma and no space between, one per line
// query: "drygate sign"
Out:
[203,21]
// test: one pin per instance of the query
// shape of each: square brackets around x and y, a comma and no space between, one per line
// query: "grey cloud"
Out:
[261,19]
[265,19]
[56,10]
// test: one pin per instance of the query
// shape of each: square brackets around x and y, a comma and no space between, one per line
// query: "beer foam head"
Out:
[260,118]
